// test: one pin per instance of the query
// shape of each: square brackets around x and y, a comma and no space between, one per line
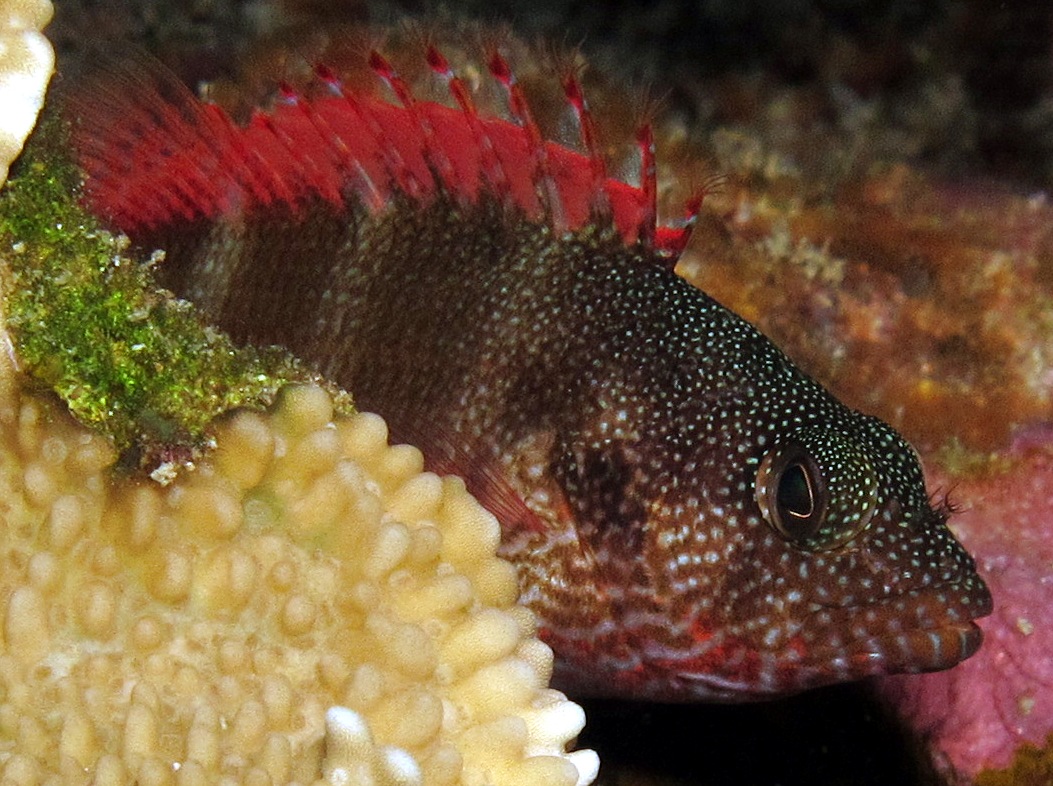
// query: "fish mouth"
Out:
[908,652]
[786,672]
[917,631]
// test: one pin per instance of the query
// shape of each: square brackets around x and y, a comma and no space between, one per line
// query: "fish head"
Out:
[820,559]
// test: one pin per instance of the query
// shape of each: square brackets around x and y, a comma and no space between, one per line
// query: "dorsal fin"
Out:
[154,154]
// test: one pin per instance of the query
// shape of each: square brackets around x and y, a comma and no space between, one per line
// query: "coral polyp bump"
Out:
[308,606]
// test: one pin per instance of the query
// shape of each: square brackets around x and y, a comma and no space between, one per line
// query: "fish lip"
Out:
[909,643]
[912,652]
[821,651]
[924,649]
[921,649]
[973,636]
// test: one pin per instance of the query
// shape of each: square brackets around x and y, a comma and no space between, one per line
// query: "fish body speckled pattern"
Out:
[692,516]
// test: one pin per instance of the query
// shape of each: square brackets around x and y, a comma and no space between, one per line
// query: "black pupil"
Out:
[795,492]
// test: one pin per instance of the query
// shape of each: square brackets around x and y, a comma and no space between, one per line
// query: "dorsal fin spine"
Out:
[275,157]
[600,206]
[343,158]
[322,177]
[671,241]
[405,177]
[383,68]
[441,66]
[648,184]
[436,156]
[493,172]
[395,168]
[545,185]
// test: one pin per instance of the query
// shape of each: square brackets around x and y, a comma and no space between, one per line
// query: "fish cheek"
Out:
[604,488]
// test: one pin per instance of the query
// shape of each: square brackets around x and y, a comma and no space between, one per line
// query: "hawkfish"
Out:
[692,517]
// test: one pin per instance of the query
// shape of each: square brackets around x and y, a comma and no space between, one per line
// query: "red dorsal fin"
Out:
[154,154]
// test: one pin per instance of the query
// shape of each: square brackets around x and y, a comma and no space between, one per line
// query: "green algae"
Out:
[87,320]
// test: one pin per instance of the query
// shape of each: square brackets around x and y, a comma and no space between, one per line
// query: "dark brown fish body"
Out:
[692,516]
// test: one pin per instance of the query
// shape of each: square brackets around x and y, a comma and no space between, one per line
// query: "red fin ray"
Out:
[648,184]
[670,241]
[600,205]
[546,190]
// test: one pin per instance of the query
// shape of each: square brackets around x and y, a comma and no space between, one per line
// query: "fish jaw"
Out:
[706,662]
[719,654]
[744,674]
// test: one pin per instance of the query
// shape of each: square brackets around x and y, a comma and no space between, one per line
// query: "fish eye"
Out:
[818,489]
[791,492]
[795,494]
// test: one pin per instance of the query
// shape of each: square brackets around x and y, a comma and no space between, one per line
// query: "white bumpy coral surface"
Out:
[26,64]
[307,606]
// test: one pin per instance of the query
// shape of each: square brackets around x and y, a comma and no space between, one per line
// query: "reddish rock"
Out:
[995,712]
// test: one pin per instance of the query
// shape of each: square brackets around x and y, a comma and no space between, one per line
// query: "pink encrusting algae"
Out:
[691,515]
[977,718]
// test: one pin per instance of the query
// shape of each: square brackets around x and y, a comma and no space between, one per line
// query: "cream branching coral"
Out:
[26,64]
[307,606]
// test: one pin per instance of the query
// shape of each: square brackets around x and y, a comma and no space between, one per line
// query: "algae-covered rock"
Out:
[86,320]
